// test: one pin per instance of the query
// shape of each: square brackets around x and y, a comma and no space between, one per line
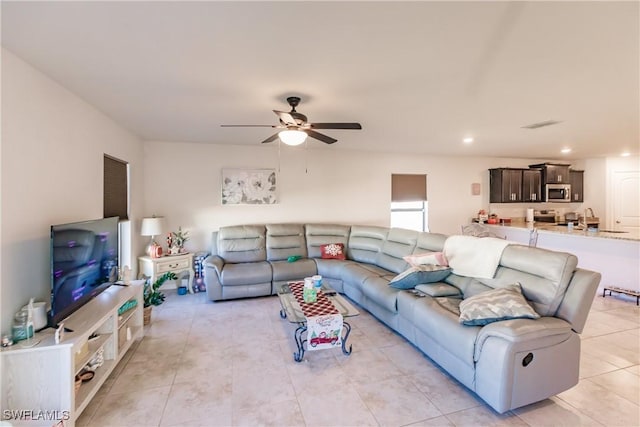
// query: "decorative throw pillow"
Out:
[434,258]
[413,276]
[439,290]
[333,251]
[497,304]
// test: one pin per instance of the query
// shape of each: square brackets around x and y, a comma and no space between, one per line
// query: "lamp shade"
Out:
[152,226]
[292,136]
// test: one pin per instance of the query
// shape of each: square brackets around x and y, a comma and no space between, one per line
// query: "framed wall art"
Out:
[248,186]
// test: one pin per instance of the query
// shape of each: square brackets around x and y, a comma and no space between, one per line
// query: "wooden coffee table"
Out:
[292,311]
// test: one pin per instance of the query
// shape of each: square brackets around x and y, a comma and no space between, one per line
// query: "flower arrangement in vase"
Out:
[178,239]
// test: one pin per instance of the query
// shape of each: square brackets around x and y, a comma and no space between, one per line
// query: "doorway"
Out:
[626,201]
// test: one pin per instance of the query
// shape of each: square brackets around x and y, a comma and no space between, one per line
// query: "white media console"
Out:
[39,382]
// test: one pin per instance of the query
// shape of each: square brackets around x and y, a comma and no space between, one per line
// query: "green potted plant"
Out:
[152,294]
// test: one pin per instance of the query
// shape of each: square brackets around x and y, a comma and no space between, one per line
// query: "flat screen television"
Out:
[84,262]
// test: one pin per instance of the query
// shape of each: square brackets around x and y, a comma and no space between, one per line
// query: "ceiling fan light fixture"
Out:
[292,136]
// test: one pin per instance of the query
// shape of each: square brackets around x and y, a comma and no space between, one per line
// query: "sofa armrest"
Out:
[526,362]
[544,331]
[212,268]
[215,262]
[577,301]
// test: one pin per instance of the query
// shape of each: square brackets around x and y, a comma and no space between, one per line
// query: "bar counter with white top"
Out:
[603,234]
[615,255]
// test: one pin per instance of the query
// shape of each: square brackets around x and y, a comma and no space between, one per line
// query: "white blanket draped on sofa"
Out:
[474,256]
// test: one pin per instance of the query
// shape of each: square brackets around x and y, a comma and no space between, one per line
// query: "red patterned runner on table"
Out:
[321,307]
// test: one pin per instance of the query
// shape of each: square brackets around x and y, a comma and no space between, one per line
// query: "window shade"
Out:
[116,197]
[408,188]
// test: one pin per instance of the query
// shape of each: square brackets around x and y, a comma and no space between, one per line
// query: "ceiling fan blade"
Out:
[335,126]
[287,118]
[248,126]
[324,138]
[270,139]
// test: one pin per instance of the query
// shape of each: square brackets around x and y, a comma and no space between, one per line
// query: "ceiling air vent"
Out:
[541,124]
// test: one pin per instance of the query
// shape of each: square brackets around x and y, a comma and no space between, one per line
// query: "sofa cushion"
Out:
[442,325]
[543,274]
[413,276]
[283,270]
[378,290]
[365,243]
[242,243]
[471,286]
[285,240]
[322,234]
[495,305]
[246,291]
[355,274]
[333,251]
[331,267]
[449,303]
[398,244]
[248,273]
[435,258]
[439,289]
[430,242]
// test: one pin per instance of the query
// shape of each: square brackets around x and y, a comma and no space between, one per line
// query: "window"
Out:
[116,188]
[409,206]
[410,215]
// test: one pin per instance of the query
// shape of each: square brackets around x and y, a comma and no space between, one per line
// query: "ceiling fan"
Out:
[296,128]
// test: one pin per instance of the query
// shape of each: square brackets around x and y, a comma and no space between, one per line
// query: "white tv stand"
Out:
[39,381]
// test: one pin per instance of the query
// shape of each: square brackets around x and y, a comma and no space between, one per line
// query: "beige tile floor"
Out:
[230,363]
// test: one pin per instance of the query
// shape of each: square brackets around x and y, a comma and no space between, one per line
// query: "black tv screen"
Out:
[84,262]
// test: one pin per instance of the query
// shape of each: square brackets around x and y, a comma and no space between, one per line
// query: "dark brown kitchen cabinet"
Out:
[553,173]
[576,179]
[505,185]
[532,185]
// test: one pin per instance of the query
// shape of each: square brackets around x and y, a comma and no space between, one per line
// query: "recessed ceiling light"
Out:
[565,150]
[468,140]
[625,154]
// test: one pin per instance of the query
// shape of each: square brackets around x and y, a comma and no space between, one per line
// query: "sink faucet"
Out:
[584,217]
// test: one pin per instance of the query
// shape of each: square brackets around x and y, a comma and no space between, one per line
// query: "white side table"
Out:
[156,267]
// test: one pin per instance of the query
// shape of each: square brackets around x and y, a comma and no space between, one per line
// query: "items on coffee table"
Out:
[322,316]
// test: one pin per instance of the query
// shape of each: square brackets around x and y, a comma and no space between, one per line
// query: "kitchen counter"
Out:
[614,255]
[546,227]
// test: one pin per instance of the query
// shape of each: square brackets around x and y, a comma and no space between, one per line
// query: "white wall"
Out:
[595,188]
[340,186]
[52,169]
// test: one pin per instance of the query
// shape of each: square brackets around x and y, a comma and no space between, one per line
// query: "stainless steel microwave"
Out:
[558,193]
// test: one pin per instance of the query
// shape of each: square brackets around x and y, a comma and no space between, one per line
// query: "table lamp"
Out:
[153,226]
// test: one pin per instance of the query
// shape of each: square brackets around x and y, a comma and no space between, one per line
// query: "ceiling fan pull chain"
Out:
[279,155]
[306,156]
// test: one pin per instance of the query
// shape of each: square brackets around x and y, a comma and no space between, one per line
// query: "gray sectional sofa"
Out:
[508,363]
